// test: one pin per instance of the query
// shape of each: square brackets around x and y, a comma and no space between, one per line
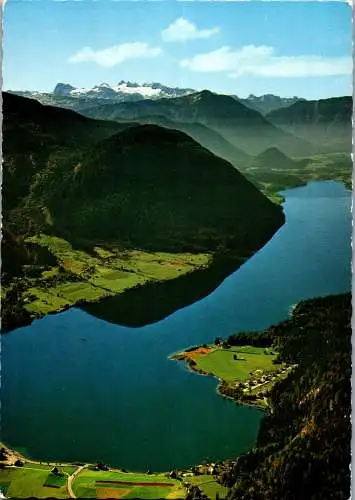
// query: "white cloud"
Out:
[226,59]
[182,29]
[300,66]
[112,56]
[262,61]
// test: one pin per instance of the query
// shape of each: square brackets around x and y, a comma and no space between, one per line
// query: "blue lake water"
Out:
[75,387]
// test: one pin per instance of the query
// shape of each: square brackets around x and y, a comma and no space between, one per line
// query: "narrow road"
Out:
[71,479]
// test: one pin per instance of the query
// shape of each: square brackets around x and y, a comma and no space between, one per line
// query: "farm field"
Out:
[26,482]
[82,276]
[246,373]
[114,484]
[209,486]
[36,480]
[220,362]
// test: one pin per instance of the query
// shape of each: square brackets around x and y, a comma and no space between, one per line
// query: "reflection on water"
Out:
[75,387]
[150,303]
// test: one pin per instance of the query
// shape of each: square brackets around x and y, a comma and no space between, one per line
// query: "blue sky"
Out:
[284,48]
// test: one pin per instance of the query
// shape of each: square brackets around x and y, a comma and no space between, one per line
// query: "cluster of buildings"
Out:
[259,377]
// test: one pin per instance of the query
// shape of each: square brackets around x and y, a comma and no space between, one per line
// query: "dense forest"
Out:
[142,186]
[303,448]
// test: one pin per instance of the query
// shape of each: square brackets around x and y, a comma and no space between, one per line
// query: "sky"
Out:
[287,48]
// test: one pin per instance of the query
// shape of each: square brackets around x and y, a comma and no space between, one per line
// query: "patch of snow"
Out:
[104,90]
[143,90]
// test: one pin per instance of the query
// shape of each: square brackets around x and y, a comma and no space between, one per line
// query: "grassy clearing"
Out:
[85,485]
[50,273]
[56,481]
[73,292]
[246,373]
[65,469]
[28,482]
[154,492]
[40,300]
[162,265]
[221,363]
[209,486]
[68,469]
[116,280]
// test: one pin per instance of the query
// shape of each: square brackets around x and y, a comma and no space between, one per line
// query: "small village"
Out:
[260,378]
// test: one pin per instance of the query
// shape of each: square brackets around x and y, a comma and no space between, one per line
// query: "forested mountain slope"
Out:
[72,183]
[303,449]
[325,122]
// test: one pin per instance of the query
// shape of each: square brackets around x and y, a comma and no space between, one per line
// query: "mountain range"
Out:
[234,131]
[160,176]
[126,91]
[124,187]
[144,184]
[121,91]
[268,102]
[243,127]
[325,122]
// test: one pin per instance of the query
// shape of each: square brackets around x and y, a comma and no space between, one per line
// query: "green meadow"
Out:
[247,373]
[82,276]
[221,363]
[86,485]
[26,482]
[209,486]
[36,480]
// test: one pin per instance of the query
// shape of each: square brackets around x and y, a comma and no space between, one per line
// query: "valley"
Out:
[272,171]
[68,195]
[306,140]
[309,392]
[33,357]
[138,220]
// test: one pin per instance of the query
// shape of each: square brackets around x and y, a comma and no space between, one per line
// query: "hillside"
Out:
[304,443]
[243,127]
[152,187]
[93,208]
[326,122]
[34,133]
[207,137]
[274,159]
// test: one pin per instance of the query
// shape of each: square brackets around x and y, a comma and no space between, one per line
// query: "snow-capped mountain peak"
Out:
[123,90]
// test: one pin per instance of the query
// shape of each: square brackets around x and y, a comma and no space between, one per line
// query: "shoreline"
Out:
[28,318]
[223,389]
[217,268]
[14,455]
[190,366]
[222,384]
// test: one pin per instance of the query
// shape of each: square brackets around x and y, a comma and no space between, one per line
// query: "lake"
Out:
[77,388]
